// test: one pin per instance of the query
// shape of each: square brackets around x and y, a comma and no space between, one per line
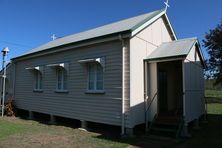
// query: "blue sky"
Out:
[25,24]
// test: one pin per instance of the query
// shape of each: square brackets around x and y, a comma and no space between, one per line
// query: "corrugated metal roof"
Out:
[173,49]
[121,26]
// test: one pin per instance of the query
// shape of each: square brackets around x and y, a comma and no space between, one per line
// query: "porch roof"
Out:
[171,50]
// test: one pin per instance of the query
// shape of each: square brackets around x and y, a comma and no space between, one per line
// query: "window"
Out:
[61,79]
[95,77]
[38,80]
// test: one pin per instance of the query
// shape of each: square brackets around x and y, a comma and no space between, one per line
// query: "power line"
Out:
[16,44]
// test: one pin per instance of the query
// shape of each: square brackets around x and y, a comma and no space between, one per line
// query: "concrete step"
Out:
[165,127]
[160,137]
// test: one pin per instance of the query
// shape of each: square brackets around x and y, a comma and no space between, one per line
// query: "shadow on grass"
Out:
[45,118]
[209,135]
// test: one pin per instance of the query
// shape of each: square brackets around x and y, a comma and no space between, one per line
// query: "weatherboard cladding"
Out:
[117,27]
[102,108]
[173,49]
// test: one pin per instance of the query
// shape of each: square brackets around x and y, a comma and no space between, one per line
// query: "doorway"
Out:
[170,88]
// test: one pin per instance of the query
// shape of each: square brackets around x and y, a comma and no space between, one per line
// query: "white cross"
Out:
[53,37]
[167,4]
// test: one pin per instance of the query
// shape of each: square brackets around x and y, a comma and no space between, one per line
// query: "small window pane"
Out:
[99,85]
[99,73]
[38,80]
[64,79]
[99,78]
[95,76]
[91,76]
[91,85]
[61,79]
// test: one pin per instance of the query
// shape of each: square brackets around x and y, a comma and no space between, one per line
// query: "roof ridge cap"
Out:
[155,13]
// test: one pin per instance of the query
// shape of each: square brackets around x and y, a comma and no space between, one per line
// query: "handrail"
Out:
[151,102]
[147,109]
[180,128]
[152,122]
[205,107]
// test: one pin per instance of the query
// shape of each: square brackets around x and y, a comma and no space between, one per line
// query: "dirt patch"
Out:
[36,140]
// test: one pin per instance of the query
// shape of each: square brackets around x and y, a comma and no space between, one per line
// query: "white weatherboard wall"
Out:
[194,86]
[141,46]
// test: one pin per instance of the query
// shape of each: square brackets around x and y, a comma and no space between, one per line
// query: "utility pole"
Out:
[4,53]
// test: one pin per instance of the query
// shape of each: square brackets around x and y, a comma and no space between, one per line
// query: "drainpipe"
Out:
[184,93]
[123,84]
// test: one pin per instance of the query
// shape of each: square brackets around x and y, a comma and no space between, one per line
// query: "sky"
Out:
[26,24]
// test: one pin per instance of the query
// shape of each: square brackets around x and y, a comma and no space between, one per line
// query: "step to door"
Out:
[163,130]
[165,126]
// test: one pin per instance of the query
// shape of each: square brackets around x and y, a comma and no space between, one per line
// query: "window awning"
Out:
[62,65]
[101,61]
[57,65]
[38,68]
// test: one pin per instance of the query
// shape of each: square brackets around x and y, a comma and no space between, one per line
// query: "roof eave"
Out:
[201,54]
[169,58]
[170,27]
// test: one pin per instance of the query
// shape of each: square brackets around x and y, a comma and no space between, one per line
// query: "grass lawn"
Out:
[19,133]
[214,108]
[213,93]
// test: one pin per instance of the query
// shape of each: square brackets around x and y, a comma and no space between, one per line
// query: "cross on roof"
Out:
[53,37]
[167,4]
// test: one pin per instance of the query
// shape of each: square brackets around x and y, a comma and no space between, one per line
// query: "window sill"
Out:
[61,91]
[38,90]
[95,92]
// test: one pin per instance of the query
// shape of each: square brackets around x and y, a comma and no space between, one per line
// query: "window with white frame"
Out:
[61,79]
[95,77]
[38,80]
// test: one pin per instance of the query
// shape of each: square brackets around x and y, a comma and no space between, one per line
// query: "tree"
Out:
[213,45]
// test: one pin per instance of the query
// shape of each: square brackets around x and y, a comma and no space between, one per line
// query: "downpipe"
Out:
[123,85]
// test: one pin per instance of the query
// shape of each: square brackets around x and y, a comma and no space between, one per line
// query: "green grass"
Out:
[9,128]
[214,108]
[20,133]
[213,93]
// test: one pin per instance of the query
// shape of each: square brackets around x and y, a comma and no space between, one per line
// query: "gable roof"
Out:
[175,49]
[127,25]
